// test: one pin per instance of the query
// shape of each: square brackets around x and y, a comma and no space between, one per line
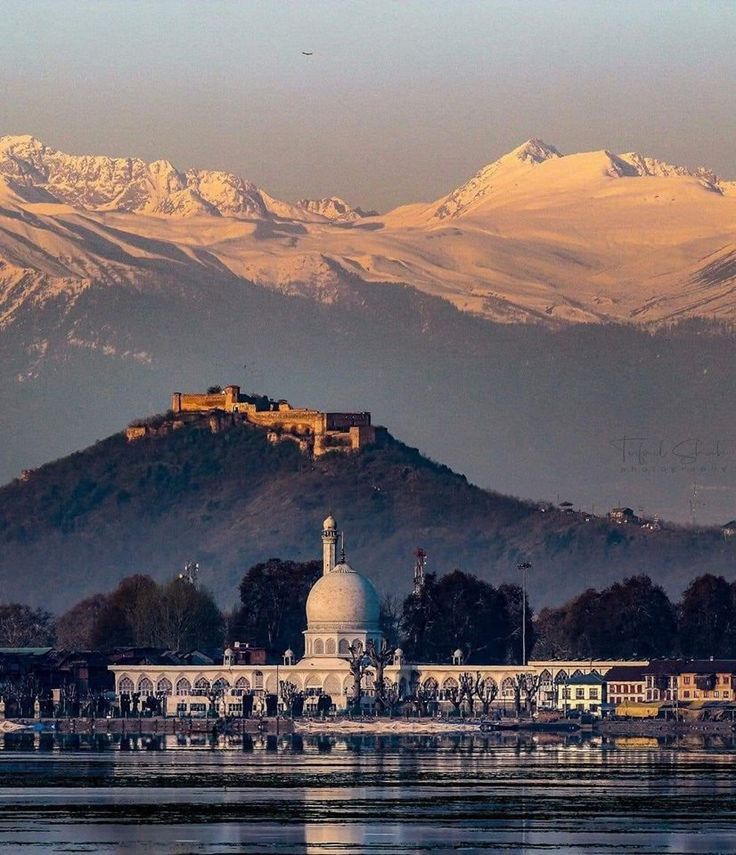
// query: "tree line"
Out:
[636,618]
[456,611]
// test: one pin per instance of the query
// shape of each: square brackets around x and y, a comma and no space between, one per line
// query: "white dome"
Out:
[343,599]
[329,523]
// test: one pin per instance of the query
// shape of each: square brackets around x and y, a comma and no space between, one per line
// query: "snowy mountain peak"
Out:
[491,178]
[128,184]
[533,151]
[332,208]
[651,166]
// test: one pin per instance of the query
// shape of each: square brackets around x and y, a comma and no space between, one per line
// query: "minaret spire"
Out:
[329,544]
[342,547]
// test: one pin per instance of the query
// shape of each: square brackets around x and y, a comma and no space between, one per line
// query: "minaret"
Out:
[329,544]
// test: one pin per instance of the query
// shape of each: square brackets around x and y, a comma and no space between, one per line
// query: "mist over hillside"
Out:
[230,499]
[523,410]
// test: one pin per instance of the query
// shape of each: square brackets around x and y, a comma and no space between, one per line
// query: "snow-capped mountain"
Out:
[535,236]
[333,208]
[99,183]
[121,280]
[494,178]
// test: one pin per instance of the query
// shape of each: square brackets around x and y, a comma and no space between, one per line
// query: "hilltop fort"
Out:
[315,431]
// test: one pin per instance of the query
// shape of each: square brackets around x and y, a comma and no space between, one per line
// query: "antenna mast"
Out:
[419,566]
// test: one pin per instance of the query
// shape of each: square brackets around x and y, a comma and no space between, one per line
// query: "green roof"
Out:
[25,651]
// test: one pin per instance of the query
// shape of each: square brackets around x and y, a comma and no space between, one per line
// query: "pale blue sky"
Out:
[401,101]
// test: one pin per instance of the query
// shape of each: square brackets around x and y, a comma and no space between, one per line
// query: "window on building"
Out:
[594,694]
[580,694]
[145,687]
[125,686]
[201,686]
[163,687]
[686,679]
[183,687]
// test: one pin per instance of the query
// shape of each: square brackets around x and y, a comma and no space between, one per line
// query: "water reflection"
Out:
[365,793]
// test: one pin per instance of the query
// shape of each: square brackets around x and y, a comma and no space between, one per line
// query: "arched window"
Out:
[545,678]
[125,686]
[357,646]
[242,686]
[258,680]
[312,685]
[577,673]
[449,684]
[145,686]
[319,647]
[163,687]
[430,684]
[507,688]
[201,686]
[343,648]
[330,646]
[183,687]
[561,676]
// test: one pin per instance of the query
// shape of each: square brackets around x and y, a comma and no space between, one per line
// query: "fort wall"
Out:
[323,431]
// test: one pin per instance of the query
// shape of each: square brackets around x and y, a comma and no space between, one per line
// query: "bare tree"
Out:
[454,695]
[378,657]
[393,696]
[466,683]
[532,683]
[289,693]
[423,695]
[358,663]
[486,690]
[526,687]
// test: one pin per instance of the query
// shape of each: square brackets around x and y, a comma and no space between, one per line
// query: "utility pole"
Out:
[523,567]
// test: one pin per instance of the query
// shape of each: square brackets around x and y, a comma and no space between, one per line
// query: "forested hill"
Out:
[231,499]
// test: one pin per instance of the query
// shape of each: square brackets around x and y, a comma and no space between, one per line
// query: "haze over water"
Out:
[367,794]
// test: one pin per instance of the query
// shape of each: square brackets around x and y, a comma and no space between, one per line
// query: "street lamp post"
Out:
[523,567]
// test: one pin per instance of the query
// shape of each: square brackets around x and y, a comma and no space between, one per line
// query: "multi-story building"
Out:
[691,680]
[582,692]
[626,684]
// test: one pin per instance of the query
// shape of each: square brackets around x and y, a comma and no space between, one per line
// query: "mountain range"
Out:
[519,328]
[534,236]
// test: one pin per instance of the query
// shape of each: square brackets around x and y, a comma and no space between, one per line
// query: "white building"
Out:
[343,612]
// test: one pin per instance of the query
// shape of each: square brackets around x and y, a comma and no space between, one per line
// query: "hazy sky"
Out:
[401,101]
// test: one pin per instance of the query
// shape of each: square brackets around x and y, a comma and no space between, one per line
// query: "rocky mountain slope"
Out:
[230,499]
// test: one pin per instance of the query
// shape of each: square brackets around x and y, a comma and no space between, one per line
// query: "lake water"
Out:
[366,794]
